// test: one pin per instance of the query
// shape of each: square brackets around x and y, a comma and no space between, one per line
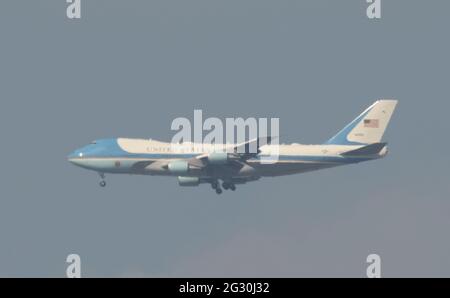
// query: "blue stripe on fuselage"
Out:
[294,158]
[109,148]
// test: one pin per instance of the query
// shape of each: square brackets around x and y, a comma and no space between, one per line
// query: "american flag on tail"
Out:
[371,123]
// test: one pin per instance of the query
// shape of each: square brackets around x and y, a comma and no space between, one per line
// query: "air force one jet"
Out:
[359,141]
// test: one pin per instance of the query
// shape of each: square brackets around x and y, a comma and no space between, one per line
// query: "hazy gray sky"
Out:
[127,68]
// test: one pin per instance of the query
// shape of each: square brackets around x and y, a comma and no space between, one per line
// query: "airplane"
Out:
[358,141]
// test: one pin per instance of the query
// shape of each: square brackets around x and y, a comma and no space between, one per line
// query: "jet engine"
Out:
[178,167]
[218,158]
[188,181]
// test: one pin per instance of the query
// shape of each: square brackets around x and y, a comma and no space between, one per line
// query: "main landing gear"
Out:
[229,185]
[215,185]
[226,185]
[102,182]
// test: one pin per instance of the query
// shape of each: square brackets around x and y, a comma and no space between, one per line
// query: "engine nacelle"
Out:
[247,170]
[188,181]
[218,158]
[179,167]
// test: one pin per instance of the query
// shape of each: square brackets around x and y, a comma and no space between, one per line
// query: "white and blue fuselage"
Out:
[124,155]
[197,163]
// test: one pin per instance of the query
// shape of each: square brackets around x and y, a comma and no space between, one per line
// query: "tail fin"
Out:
[368,127]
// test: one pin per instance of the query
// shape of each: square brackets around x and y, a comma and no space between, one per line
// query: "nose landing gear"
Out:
[102,182]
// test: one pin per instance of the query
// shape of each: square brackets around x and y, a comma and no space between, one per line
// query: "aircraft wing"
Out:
[252,147]
[239,154]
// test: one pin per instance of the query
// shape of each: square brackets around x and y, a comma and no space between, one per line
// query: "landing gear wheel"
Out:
[233,187]
[218,191]
[102,182]
[214,185]
[225,185]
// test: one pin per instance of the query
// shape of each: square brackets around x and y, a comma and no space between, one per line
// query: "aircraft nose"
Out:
[75,157]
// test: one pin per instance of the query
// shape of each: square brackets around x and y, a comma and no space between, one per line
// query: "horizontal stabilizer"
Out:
[371,149]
